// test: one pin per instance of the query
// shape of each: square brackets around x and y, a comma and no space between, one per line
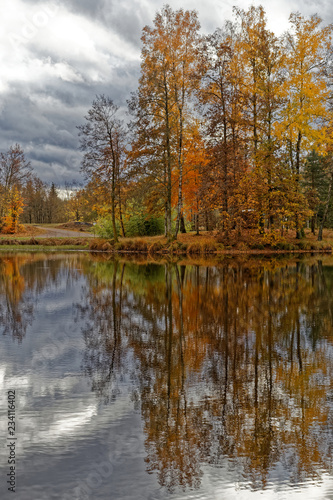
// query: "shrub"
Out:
[138,225]
[144,225]
[104,227]
[273,239]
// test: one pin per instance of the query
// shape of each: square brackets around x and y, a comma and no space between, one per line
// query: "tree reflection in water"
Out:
[23,277]
[16,313]
[230,362]
[101,309]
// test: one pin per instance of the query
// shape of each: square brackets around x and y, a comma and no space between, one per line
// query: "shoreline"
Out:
[186,245]
[84,248]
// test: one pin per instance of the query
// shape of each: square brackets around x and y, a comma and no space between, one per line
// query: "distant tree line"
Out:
[25,198]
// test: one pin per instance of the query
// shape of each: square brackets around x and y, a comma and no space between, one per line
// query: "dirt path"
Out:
[50,232]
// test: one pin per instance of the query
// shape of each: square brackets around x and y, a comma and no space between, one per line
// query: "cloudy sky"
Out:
[57,55]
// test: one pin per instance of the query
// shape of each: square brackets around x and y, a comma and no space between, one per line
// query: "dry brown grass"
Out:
[25,231]
[206,244]
[213,243]
[54,242]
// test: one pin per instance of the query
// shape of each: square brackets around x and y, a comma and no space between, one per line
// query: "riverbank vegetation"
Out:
[207,244]
[230,134]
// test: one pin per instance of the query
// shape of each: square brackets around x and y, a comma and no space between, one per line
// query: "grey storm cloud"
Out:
[57,55]
[125,18]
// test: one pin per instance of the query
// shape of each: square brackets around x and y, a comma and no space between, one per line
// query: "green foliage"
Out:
[104,227]
[144,225]
[138,225]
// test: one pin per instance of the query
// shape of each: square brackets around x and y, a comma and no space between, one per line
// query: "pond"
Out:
[130,379]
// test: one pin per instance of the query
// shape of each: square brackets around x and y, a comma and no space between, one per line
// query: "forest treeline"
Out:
[25,198]
[229,131]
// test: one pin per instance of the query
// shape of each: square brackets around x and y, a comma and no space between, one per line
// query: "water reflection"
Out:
[15,314]
[101,312]
[22,278]
[229,365]
[232,362]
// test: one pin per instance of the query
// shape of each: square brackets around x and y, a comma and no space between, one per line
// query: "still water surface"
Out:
[162,381]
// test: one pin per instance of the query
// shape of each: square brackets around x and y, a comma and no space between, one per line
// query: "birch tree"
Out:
[102,139]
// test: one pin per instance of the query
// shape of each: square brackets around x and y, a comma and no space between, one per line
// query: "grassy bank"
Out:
[12,243]
[186,244]
[212,244]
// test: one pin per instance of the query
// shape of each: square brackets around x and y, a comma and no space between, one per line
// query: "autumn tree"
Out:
[54,205]
[222,108]
[35,194]
[241,97]
[264,100]
[326,170]
[304,118]
[315,185]
[195,161]
[102,139]
[14,208]
[42,202]
[221,126]
[15,170]
[262,56]
[162,104]
[184,80]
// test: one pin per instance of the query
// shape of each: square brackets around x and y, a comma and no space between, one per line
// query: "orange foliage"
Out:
[14,209]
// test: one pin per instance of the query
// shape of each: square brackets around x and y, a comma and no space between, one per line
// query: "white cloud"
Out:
[70,47]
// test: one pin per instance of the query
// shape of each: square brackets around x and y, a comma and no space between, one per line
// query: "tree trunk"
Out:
[197,224]
[165,221]
[169,163]
[261,223]
[113,206]
[121,213]
[207,221]
[225,161]
[320,233]
[298,152]
[313,224]
[180,168]
[182,224]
